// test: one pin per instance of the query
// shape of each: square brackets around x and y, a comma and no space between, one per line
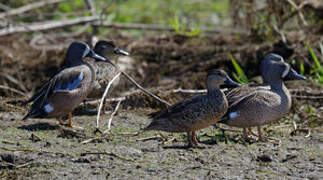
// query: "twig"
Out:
[106,100]
[15,81]
[193,91]
[144,90]
[93,139]
[42,26]
[13,90]
[298,9]
[109,154]
[103,97]
[28,7]
[34,137]
[149,138]
[113,113]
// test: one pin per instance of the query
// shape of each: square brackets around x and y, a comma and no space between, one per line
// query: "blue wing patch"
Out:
[71,85]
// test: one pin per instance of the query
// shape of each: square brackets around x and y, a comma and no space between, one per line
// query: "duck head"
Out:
[274,68]
[79,50]
[108,49]
[217,77]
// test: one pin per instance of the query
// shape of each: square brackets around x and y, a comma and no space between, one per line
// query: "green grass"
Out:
[317,70]
[240,76]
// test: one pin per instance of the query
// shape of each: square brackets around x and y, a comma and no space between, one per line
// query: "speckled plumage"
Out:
[196,113]
[105,71]
[260,104]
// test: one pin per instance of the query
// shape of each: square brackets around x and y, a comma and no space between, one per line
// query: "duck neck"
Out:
[277,85]
[214,91]
[92,71]
[280,88]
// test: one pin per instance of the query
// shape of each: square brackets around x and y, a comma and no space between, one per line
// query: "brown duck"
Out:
[105,71]
[68,88]
[197,113]
[260,104]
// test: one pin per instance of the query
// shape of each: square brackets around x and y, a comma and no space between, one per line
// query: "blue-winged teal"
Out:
[260,104]
[197,113]
[105,71]
[68,88]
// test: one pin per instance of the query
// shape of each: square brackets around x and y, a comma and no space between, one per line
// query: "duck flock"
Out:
[87,72]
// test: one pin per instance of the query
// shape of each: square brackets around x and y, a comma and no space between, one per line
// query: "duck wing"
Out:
[252,99]
[64,82]
[178,116]
[238,93]
[42,90]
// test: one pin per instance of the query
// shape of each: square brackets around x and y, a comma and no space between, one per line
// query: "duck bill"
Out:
[230,82]
[121,51]
[292,74]
[97,57]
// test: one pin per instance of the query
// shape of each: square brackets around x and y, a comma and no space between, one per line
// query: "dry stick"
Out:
[30,27]
[106,100]
[12,90]
[298,9]
[112,115]
[103,97]
[15,81]
[144,90]
[28,7]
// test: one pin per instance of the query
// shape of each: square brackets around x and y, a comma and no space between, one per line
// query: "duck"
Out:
[105,71]
[196,113]
[68,88]
[255,105]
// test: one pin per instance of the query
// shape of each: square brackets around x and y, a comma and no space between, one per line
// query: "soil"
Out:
[41,149]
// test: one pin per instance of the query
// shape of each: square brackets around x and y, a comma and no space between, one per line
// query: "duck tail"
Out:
[35,114]
[151,126]
[224,119]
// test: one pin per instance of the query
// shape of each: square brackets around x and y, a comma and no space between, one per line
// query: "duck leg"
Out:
[189,139]
[245,133]
[69,124]
[191,135]
[260,138]
[70,120]
[252,133]
[60,122]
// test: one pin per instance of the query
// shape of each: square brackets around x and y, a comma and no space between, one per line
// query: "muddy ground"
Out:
[40,149]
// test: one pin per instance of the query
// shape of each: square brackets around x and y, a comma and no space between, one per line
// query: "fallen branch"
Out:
[144,90]
[13,90]
[94,139]
[298,9]
[149,138]
[28,7]
[106,100]
[103,97]
[31,27]
[113,113]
